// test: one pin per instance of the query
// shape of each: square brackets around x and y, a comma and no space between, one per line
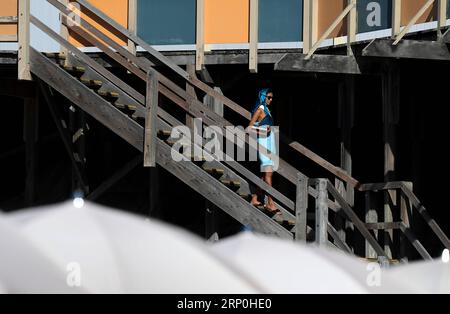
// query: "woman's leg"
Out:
[268,179]
[255,201]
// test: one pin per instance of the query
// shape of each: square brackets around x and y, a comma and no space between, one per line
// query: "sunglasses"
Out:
[269,97]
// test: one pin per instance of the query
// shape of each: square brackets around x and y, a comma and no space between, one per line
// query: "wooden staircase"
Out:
[226,184]
[228,191]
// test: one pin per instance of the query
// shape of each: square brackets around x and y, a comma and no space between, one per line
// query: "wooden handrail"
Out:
[355,219]
[338,172]
[426,216]
[415,242]
[167,88]
[196,108]
[382,186]
[403,186]
[156,54]
[140,98]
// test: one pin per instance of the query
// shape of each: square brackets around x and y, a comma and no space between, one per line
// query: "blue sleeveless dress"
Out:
[267,141]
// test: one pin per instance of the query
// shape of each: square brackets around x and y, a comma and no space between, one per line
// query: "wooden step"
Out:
[55,55]
[164,134]
[246,196]
[108,94]
[183,148]
[95,84]
[375,260]
[215,171]
[173,142]
[125,106]
[198,159]
[233,185]
[288,224]
[269,213]
[74,70]
[137,117]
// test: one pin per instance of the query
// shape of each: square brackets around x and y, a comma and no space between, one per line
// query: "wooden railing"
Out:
[407,203]
[194,82]
[157,83]
[140,67]
[326,190]
[403,208]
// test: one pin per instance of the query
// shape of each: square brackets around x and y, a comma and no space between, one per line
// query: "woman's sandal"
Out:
[272,212]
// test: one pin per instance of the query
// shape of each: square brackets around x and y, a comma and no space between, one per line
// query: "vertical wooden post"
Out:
[154,193]
[79,141]
[396,17]
[442,16]
[351,26]
[314,22]
[306,26]
[200,50]
[301,207]
[190,90]
[371,217]
[253,55]
[322,213]
[211,228]
[23,63]
[406,212]
[151,119]
[132,24]
[212,215]
[345,123]
[30,136]
[64,32]
[391,105]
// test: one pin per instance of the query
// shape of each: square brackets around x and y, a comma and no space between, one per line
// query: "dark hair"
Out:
[262,98]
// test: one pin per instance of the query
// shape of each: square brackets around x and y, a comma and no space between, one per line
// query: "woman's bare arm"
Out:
[255,117]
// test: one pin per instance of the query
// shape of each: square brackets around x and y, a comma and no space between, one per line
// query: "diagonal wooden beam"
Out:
[63,132]
[116,177]
[355,220]
[330,29]
[413,21]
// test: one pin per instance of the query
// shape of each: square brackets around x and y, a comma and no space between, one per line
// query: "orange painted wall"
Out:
[226,22]
[8,8]
[328,11]
[116,9]
[411,7]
